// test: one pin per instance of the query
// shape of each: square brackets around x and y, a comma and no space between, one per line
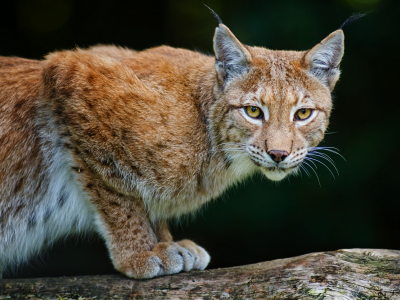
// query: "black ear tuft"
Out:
[215,15]
[353,17]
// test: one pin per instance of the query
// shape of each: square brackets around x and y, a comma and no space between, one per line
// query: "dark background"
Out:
[258,220]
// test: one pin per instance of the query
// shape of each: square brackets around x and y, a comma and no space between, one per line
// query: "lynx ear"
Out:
[323,60]
[232,58]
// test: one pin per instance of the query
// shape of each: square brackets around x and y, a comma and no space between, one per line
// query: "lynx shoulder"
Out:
[117,141]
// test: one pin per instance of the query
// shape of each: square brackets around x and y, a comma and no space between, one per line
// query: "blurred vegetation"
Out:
[258,220]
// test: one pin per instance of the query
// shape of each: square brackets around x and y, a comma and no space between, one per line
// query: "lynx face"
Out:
[278,102]
[278,132]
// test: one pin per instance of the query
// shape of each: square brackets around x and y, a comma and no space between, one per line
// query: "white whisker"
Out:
[330,149]
[337,153]
[324,156]
[314,159]
[305,170]
[312,163]
[304,162]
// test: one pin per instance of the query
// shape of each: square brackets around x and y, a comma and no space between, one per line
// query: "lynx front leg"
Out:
[140,250]
[202,258]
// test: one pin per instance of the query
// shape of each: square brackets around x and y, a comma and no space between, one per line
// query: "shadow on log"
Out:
[344,274]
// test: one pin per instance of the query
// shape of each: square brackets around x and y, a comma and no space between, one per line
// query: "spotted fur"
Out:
[116,141]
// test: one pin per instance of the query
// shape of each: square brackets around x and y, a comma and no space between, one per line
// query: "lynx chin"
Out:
[117,141]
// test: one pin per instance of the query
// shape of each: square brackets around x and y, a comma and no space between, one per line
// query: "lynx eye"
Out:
[253,111]
[303,114]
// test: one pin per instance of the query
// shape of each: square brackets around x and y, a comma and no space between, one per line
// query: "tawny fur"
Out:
[119,141]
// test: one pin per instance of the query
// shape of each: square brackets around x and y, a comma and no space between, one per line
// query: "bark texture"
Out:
[343,274]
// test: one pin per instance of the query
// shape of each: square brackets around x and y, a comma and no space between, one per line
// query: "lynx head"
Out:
[273,107]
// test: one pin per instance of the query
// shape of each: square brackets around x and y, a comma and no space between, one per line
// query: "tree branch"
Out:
[343,274]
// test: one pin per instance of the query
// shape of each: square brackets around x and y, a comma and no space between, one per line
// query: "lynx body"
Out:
[117,141]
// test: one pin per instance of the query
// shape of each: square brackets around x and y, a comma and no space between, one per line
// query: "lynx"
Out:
[116,141]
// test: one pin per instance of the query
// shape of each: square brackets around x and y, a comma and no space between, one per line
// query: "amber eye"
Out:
[253,111]
[303,113]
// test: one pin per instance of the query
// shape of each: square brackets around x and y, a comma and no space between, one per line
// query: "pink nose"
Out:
[278,155]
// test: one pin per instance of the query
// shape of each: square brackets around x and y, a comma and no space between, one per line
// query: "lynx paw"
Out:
[169,258]
[202,258]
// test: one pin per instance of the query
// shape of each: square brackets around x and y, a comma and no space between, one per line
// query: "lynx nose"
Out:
[278,155]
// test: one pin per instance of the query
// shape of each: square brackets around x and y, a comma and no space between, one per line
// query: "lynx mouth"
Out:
[272,169]
[277,173]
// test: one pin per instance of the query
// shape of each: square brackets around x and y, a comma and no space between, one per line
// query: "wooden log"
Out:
[343,274]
